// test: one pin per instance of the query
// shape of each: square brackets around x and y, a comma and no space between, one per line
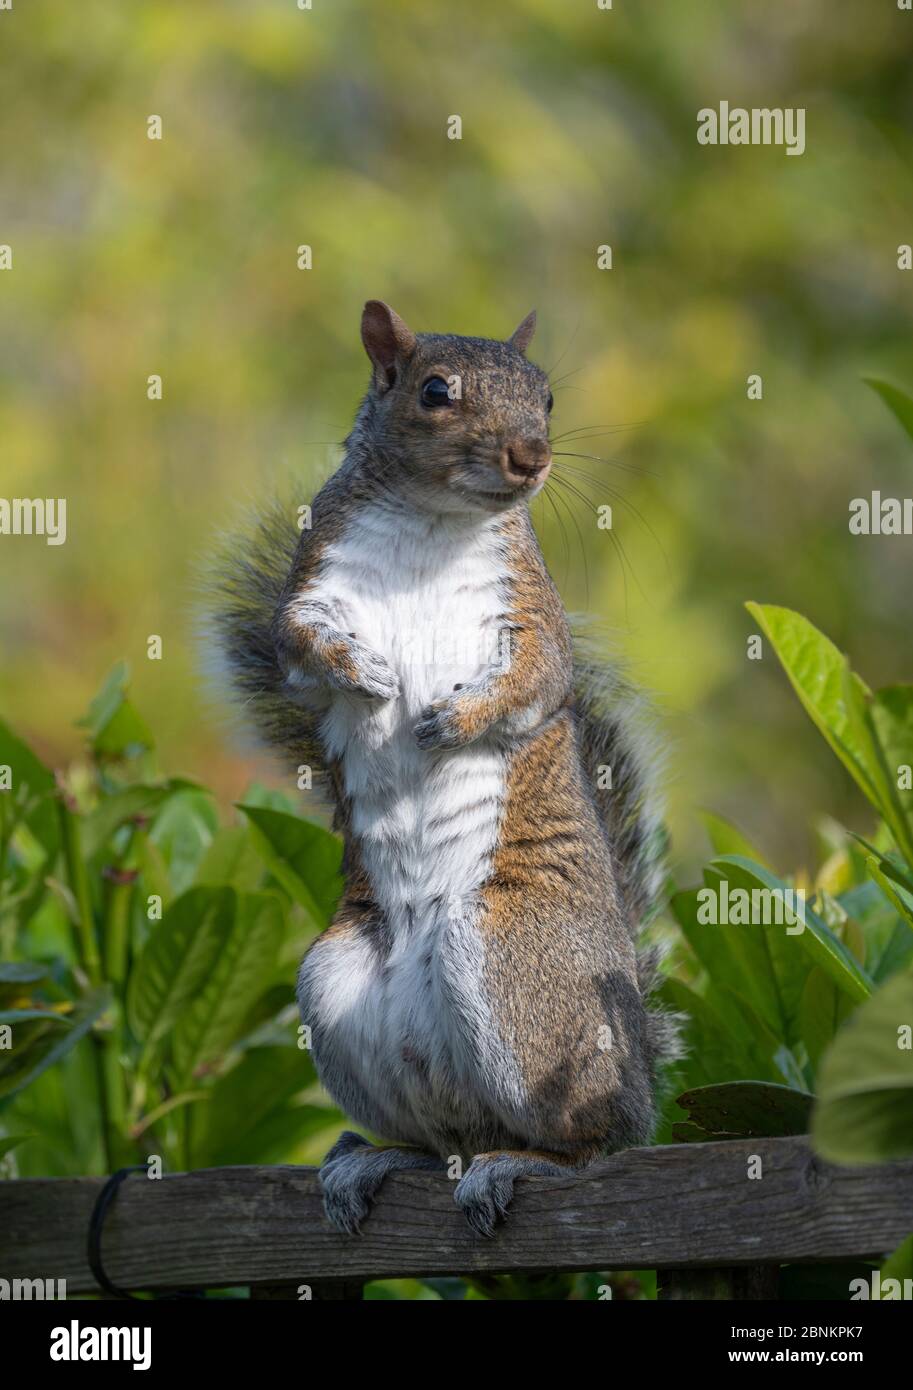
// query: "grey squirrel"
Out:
[479,994]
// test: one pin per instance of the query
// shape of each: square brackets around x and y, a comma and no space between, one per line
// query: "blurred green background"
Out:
[328,127]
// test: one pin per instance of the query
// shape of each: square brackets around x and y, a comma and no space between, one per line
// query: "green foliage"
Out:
[899,1264]
[825,1004]
[148,963]
[778,1016]
[304,859]
[871,734]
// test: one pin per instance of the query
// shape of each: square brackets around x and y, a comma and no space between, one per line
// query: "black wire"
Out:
[93,1250]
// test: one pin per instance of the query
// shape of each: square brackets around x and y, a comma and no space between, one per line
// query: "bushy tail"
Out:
[243,589]
[624,762]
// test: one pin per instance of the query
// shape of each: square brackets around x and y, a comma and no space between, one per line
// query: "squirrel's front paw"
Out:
[360,671]
[448,723]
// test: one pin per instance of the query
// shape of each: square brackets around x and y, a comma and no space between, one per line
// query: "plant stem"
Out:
[116,931]
[115,944]
[79,885]
[7,829]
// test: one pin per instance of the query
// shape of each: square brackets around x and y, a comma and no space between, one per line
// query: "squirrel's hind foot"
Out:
[486,1188]
[352,1173]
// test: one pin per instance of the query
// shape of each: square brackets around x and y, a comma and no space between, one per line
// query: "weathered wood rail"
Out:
[689,1210]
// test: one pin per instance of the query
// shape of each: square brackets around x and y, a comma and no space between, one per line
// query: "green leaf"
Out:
[256,794]
[887,937]
[115,728]
[241,972]
[17,980]
[183,830]
[822,945]
[891,714]
[9,1142]
[263,1025]
[899,1264]
[897,401]
[897,954]
[231,860]
[888,863]
[23,1015]
[865,1085]
[121,806]
[278,1135]
[756,975]
[29,775]
[262,1085]
[684,1132]
[823,1009]
[767,967]
[177,959]
[723,1037]
[302,856]
[62,1109]
[28,1063]
[896,894]
[748,1109]
[105,704]
[18,974]
[832,695]
[727,839]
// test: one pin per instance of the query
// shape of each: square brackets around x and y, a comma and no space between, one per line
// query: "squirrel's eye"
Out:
[435,392]
[550,403]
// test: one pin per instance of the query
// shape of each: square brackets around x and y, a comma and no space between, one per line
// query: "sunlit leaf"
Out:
[242,969]
[304,857]
[178,958]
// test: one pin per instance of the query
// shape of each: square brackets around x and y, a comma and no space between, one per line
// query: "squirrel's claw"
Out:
[444,724]
[365,672]
[346,1193]
[483,1193]
[352,1173]
[433,730]
[485,1190]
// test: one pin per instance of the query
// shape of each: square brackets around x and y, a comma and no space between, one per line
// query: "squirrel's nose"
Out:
[524,461]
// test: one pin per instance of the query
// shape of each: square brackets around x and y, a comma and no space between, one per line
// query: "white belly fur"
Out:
[427,825]
[429,604]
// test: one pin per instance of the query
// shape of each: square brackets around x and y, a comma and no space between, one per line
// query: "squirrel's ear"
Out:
[520,338]
[386,338]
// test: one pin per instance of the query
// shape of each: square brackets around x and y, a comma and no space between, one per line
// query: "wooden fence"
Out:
[690,1211]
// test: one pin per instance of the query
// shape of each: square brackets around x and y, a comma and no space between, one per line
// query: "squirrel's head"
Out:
[457,424]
